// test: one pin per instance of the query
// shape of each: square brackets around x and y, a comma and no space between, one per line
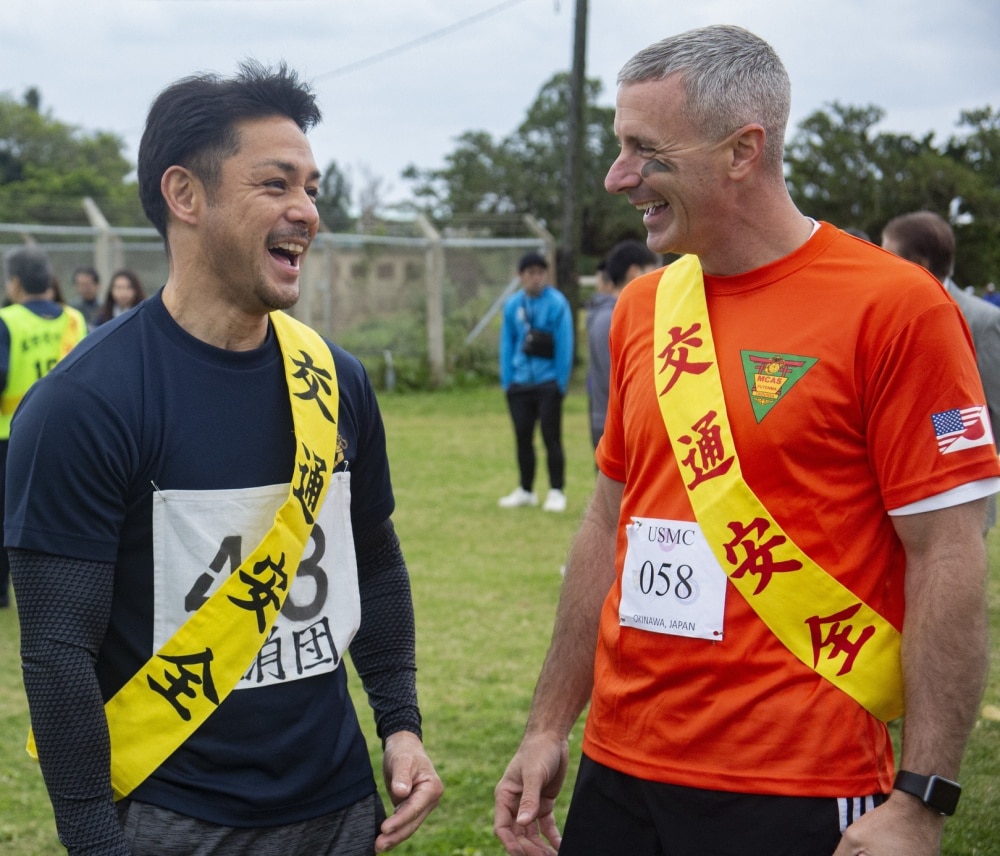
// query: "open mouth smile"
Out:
[652,209]
[287,252]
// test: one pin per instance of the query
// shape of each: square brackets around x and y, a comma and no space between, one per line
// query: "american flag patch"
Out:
[962,428]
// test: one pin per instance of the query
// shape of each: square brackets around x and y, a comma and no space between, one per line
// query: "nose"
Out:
[303,210]
[621,177]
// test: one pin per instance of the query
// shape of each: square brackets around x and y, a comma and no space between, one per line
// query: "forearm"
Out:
[567,676]
[384,648]
[63,606]
[945,641]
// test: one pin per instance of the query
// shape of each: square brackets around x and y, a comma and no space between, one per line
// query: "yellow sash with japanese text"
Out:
[213,649]
[818,619]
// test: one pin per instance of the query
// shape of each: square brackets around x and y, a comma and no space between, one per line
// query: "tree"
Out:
[830,163]
[371,199]
[978,234]
[840,169]
[523,172]
[334,200]
[47,167]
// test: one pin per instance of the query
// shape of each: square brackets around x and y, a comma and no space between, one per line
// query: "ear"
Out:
[13,289]
[183,193]
[746,151]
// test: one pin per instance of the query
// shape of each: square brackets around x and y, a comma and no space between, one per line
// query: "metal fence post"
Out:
[108,253]
[435,301]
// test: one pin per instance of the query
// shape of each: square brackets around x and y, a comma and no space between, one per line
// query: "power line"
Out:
[389,52]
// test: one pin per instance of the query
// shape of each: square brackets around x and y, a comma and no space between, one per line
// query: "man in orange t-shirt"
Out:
[861,429]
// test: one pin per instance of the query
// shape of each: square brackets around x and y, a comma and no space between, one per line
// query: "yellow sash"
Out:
[212,650]
[819,620]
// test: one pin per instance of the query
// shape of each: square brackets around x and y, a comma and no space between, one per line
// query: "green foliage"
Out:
[334,200]
[404,336]
[841,169]
[47,167]
[525,171]
[978,150]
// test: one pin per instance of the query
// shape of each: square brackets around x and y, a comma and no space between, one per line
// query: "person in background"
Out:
[35,333]
[785,532]
[87,283]
[991,295]
[625,261]
[79,320]
[927,239]
[536,358]
[125,292]
[199,527]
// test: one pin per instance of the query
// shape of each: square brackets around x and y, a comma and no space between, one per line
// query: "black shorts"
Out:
[154,831]
[612,814]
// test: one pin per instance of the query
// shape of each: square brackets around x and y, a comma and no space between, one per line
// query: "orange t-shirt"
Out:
[871,347]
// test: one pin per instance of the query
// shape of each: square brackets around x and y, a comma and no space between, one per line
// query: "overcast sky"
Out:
[399,80]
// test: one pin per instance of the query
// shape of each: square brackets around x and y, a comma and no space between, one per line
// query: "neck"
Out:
[755,244]
[212,320]
[31,298]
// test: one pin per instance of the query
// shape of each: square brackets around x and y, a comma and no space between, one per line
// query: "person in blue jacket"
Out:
[536,357]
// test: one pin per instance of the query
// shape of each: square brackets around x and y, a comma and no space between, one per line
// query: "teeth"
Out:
[294,249]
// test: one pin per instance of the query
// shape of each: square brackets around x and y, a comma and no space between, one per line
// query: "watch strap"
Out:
[935,792]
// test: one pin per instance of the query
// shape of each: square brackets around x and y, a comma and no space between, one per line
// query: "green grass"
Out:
[485,584]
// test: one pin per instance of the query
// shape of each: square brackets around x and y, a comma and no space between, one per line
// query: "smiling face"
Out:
[666,168]
[261,217]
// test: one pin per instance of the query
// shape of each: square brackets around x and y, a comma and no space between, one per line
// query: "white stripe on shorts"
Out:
[851,808]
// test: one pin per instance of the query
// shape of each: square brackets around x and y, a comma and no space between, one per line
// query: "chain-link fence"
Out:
[418,306]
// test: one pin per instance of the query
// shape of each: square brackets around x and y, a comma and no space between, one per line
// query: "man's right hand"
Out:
[525,797]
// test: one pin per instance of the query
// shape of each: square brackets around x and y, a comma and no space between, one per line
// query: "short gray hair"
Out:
[31,267]
[731,78]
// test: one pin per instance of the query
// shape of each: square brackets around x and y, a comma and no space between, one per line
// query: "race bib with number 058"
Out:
[672,583]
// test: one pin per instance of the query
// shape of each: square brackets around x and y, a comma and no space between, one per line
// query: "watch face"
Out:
[942,795]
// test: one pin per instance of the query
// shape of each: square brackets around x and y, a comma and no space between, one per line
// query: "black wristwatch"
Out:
[938,794]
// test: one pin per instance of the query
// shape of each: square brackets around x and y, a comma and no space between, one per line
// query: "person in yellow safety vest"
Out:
[35,333]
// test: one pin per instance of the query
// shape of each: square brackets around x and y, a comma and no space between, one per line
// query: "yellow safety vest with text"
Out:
[36,345]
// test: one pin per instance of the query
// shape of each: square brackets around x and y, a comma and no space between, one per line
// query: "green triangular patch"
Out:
[769,376]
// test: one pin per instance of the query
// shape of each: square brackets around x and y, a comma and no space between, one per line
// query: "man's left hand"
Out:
[413,785]
[899,827]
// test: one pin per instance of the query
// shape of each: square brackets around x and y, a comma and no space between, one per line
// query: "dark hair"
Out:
[192,123]
[87,270]
[107,311]
[31,267]
[623,255]
[532,259]
[925,238]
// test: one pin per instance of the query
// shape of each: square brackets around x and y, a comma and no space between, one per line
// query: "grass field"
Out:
[485,584]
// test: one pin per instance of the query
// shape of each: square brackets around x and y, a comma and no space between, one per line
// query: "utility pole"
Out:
[567,274]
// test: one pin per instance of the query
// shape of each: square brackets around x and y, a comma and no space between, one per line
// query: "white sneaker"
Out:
[555,501]
[518,498]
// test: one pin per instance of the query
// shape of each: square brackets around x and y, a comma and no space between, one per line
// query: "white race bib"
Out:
[200,537]
[672,582]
